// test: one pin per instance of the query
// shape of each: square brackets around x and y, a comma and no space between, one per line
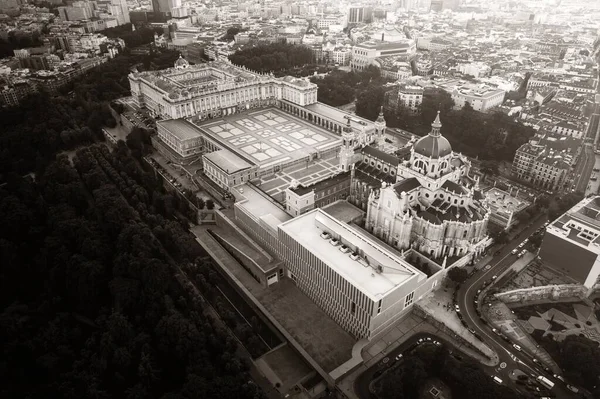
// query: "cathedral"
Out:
[420,197]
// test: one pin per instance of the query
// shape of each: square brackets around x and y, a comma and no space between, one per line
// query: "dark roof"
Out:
[407,185]
[454,187]
[321,184]
[384,156]
[478,195]
[403,153]
[375,173]
[433,146]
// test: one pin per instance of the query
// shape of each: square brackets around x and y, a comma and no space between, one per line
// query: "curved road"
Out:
[465,297]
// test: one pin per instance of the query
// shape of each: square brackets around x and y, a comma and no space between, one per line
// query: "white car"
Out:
[517,347]
[514,251]
[572,388]
[399,356]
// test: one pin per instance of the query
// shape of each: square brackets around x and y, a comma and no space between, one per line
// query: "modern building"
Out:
[364,54]
[365,289]
[358,14]
[572,242]
[481,98]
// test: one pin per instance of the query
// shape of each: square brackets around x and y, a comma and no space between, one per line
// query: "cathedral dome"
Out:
[181,63]
[434,145]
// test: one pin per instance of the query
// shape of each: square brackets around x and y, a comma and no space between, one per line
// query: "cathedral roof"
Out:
[454,187]
[384,156]
[407,185]
[434,145]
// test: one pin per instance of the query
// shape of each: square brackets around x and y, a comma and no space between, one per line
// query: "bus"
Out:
[545,382]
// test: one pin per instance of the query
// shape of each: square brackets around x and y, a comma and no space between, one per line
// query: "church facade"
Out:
[422,197]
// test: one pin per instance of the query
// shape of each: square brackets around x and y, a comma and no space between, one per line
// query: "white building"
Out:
[364,54]
[572,242]
[481,98]
[364,293]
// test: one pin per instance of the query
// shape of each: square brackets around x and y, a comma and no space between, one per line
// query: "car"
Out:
[428,338]
[354,256]
[420,340]
[334,241]
[521,245]
[514,251]
[525,241]
[494,277]
[475,302]
[559,377]
[399,356]
[471,331]
[438,343]
[497,380]
[572,388]
[478,292]
[456,308]
[344,249]
[517,347]
[495,331]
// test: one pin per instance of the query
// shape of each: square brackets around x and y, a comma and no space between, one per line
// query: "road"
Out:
[468,292]
[361,385]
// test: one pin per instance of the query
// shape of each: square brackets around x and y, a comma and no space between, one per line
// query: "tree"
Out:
[210,204]
[458,275]
[369,102]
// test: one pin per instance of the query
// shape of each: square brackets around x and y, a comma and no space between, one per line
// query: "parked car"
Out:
[517,347]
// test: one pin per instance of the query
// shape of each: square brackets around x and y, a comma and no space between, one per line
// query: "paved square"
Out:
[270,137]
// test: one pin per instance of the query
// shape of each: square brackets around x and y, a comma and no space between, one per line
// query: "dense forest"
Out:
[91,306]
[577,356]
[339,88]
[487,136]
[272,57]
[464,378]
[142,35]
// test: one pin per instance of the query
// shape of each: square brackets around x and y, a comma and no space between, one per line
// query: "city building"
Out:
[545,160]
[410,97]
[480,97]
[358,14]
[505,206]
[572,242]
[364,54]
[300,198]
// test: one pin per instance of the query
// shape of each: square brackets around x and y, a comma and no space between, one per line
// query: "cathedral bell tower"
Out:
[347,149]
[380,127]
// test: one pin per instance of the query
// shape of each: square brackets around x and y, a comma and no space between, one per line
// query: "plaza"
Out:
[270,139]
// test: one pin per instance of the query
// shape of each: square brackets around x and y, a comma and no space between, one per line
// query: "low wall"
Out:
[249,264]
[419,311]
[548,292]
[222,218]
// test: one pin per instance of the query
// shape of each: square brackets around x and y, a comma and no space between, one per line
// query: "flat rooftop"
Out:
[227,161]
[504,202]
[269,136]
[340,116]
[180,128]
[306,230]
[259,205]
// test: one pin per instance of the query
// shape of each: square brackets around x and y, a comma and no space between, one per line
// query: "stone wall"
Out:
[548,292]
[481,349]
